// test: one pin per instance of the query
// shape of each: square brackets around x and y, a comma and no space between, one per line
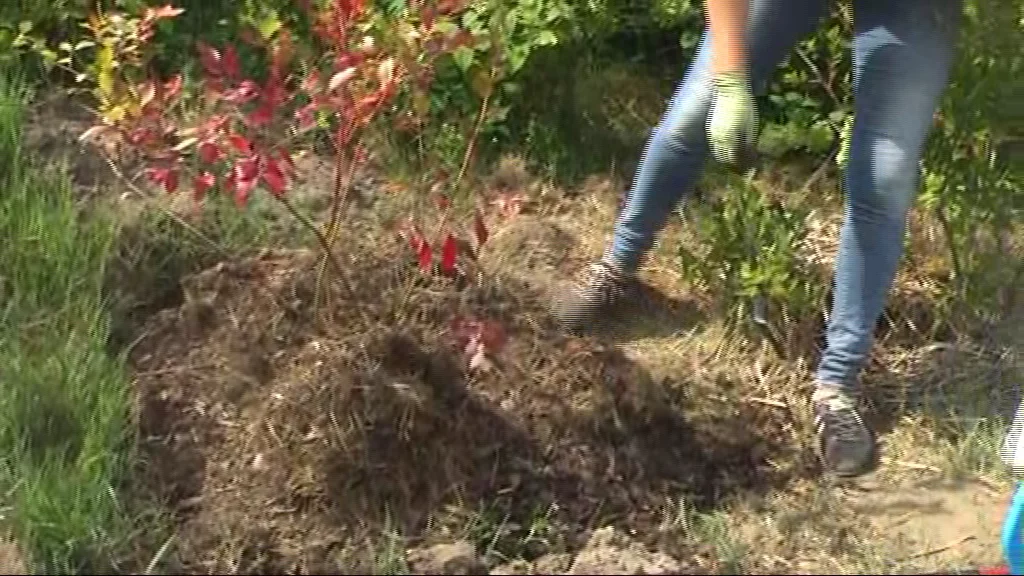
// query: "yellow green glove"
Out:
[732,123]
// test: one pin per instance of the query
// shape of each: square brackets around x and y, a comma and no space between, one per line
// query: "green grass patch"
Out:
[64,401]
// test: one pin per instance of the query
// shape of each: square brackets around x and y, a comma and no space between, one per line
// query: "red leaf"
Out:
[341,78]
[479,229]
[242,190]
[241,143]
[471,334]
[449,252]
[428,15]
[492,335]
[311,83]
[306,116]
[157,175]
[209,152]
[246,92]
[202,183]
[166,11]
[426,256]
[171,183]
[211,60]
[246,169]
[274,177]
[167,177]
[450,6]
[140,136]
[458,39]
[260,116]
[230,62]
[172,88]
[242,180]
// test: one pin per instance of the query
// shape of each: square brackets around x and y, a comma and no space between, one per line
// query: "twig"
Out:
[954,252]
[821,77]
[176,369]
[132,187]
[931,551]
[819,172]
[911,465]
[322,240]
[768,402]
[342,185]
[471,145]
[159,555]
[992,487]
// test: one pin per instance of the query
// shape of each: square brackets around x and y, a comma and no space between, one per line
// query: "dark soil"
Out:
[280,436]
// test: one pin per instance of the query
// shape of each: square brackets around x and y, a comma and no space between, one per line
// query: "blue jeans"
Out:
[902,51]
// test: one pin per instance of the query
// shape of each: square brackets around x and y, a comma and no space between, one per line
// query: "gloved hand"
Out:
[732,123]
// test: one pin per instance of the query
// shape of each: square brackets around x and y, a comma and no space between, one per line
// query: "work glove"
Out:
[732,122]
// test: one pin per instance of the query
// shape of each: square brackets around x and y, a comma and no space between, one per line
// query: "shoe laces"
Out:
[846,423]
[601,280]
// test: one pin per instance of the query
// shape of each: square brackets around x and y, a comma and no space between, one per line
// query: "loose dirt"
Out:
[278,442]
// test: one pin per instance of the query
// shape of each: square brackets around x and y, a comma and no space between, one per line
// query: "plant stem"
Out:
[339,196]
[321,239]
[474,135]
[954,252]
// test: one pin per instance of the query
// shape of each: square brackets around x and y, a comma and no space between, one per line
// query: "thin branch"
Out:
[132,187]
[474,136]
[954,252]
[320,238]
[821,77]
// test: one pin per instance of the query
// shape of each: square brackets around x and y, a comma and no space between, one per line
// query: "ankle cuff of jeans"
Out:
[848,389]
[623,270]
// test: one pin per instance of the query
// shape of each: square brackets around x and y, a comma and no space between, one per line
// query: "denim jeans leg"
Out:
[902,52]
[676,151]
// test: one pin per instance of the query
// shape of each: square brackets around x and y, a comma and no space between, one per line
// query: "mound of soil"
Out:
[282,434]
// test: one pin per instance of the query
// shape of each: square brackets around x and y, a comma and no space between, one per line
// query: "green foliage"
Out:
[749,247]
[577,85]
[974,186]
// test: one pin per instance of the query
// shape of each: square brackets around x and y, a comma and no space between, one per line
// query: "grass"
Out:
[63,408]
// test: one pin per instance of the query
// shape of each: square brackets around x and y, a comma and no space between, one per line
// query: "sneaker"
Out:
[589,303]
[846,445]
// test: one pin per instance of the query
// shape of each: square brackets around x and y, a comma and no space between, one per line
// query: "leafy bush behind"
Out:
[582,83]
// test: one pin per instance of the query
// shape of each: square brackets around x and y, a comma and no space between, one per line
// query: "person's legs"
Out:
[902,55]
[675,153]
[674,157]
